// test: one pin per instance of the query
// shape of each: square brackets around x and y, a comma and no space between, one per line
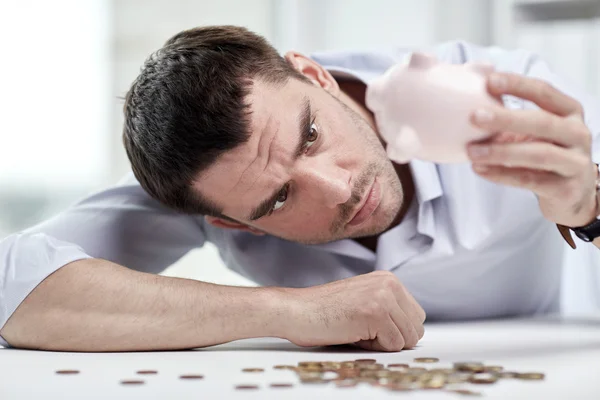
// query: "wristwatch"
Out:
[590,231]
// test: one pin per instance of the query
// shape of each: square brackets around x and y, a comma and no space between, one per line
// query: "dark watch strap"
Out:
[586,233]
[589,232]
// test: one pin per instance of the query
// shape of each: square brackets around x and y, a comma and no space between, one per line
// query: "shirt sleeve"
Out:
[526,63]
[122,224]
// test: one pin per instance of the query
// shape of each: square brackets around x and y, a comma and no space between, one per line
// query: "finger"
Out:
[543,183]
[388,338]
[406,327]
[415,312]
[540,124]
[540,92]
[532,155]
[411,308]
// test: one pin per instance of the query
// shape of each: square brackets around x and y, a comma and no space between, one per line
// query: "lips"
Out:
[369,205]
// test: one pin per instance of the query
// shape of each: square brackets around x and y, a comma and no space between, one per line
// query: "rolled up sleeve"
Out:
[26,260]
[121,224]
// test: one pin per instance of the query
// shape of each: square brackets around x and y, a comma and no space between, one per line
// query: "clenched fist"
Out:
[374,311]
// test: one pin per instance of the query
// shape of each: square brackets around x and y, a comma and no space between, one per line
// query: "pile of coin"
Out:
[403,377]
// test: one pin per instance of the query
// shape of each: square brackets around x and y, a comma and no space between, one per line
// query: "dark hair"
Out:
[188,106]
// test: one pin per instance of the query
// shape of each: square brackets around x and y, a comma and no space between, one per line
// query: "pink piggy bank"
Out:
[423,108]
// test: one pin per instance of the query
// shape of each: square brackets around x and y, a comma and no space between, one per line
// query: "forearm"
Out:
[95,305]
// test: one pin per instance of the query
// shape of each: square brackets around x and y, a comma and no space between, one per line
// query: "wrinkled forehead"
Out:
[239,177]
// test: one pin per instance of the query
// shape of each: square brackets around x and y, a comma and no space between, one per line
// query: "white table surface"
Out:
[566,350]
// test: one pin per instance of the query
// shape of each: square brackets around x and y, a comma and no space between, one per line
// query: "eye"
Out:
[312,136]
[281,199]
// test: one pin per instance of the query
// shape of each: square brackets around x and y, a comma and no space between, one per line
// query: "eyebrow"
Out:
[304,123]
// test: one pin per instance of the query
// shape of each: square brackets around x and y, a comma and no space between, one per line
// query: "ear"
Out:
[228,224]
[313,71]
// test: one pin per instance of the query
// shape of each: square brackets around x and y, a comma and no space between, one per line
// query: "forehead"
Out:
[246,175]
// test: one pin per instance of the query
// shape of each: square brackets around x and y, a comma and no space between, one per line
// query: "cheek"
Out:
[304,223]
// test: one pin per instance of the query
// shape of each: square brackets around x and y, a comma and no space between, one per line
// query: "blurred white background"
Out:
[65,63]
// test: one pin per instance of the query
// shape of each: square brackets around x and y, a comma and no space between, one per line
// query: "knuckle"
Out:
[545,90]
[382,296]
[391,282]
[526,178]
[372,309]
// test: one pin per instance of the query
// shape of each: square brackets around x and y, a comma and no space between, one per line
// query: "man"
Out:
[278,162]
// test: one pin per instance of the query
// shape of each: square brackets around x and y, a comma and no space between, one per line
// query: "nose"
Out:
[326,184]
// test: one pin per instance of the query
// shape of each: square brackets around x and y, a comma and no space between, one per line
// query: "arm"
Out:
[96,305]
[122,225]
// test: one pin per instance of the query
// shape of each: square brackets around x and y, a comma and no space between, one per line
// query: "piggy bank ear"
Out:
[404,146]
[422,60]
[481,68]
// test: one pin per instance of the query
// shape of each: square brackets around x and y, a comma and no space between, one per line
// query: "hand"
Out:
[555,163]
[374,311]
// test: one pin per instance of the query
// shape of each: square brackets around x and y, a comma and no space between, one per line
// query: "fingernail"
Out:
[483,115]
[498,82]
[478,151]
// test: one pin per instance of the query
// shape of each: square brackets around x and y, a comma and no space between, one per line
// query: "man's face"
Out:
[310,164]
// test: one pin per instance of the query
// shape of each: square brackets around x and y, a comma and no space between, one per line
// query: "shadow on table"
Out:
[499,351]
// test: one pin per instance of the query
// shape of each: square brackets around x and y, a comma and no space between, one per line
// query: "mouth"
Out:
[369,204]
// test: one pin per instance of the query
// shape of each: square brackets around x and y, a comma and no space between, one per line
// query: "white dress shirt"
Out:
[467,248]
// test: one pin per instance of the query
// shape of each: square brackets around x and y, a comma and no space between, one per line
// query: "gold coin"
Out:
[246,387]
[459,377]
[311,368]
[484,378]
[308,375]
[132,382]
[67,372]
[346,383]
[281,385]
[492,368]
[469,366]
[427,360]
[415,370]
[400,387]
[191,377]
[508,375]
[348,364]
[290,367]
[444,371]
[531,376]
[253,370]
[464,392]
[147,372]
[398,366]
[372,367]
[437,381]
[365,361]
[309,364]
